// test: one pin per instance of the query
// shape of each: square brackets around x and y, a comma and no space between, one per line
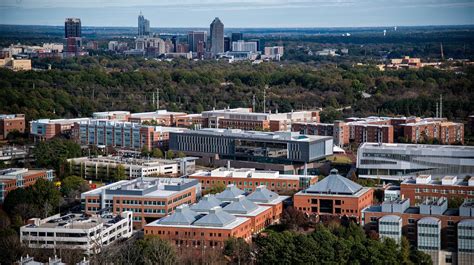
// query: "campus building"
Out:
[339,130]
[434,129]
[148,198]
[45,129]
[424,187]
[13,178]
[246,119]
[119,134]
[159,117]
[447,235]
[400,161]
[77,231]
[112,115]
[10,123]
[286,152]
[106,167]
[216,218]
[334,195]
[248,179]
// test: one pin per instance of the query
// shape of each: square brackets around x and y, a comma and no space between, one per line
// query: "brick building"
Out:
[423,187]
[373,133]
[429,129]
[339,130]
[148,198]
[249,179]
[13,178]
[336,196]
[159,117]
[216,218]
[45,129]
[10,123]
[431,226]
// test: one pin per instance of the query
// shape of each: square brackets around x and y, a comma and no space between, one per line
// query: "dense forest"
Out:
[80,86]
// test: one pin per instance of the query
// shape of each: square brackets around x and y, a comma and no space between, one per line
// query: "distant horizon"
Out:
[241,13]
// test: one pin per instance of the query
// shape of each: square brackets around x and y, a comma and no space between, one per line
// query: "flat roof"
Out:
[127,160]
[228,173]
[398,146]
[280,135]
[237,222]
[76,221]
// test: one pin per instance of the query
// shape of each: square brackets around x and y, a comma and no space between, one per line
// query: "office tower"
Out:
[227,44]
[194,38]
[175,41]
[72,28]
[217,36]
[72,33]
[143,26]
[237,36]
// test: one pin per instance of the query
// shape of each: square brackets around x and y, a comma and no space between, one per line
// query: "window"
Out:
[411,220]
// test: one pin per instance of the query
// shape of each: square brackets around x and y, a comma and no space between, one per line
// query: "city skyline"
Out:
[243,13]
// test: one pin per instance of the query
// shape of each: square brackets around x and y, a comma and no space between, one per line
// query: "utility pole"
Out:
[441,106]
[437,110]
[265,99]
[442,51]
[153,100]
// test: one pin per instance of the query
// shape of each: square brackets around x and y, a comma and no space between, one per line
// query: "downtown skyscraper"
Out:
[143,26]
[217,36]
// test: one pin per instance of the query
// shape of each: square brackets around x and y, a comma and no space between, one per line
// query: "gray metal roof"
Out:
[216,218]
[429,220]
[240,205]
[335,184]
[466,222]
[230,192]
[182,216]
[206,203]
[393,218]
[262,194]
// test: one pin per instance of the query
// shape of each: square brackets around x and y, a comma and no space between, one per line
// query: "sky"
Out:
[241,13]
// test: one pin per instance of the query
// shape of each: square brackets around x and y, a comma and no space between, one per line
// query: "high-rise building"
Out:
[217,36]
[244,46]
[237,36]
[72,28]
[73,35]
[195,38]
[143,26]
[227,44]
[175,41]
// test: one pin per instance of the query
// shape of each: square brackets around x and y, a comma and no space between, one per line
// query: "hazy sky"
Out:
[240,13]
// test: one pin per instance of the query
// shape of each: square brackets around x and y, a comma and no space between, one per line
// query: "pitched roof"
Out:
[230,192]
[262,194]
[216,218]
[206,203]
[240,205]
[182,216]
[335,184]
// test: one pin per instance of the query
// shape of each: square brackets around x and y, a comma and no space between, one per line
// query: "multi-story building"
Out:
[112,115]
[10,123]
[195,38]
[274,53]
[106,167]
[45,129]
[248,179]
[423,187]
[77,231]
[143,26]
[215,218]
[148,198]
[339,130]
[73,35]
[400,161]
[236,36]
[159,117]
[122,134]
[245,119]
[217,36]
[443,131]
[244,46]
[334,195]
[286,152]
[16,64]
[373,133]
[14,178]
[431,226]
[12,154]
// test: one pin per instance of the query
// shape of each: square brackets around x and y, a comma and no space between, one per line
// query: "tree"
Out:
[238,250]
[154,250]
[72,187]
[53,153]
[215,188]
[169,154]
[119,173]
[293,218]
[181,154]
[455,202]
[157,153]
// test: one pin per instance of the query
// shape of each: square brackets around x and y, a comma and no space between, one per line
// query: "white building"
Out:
[400,161]
[244,46]
[104,167]
[77,231]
